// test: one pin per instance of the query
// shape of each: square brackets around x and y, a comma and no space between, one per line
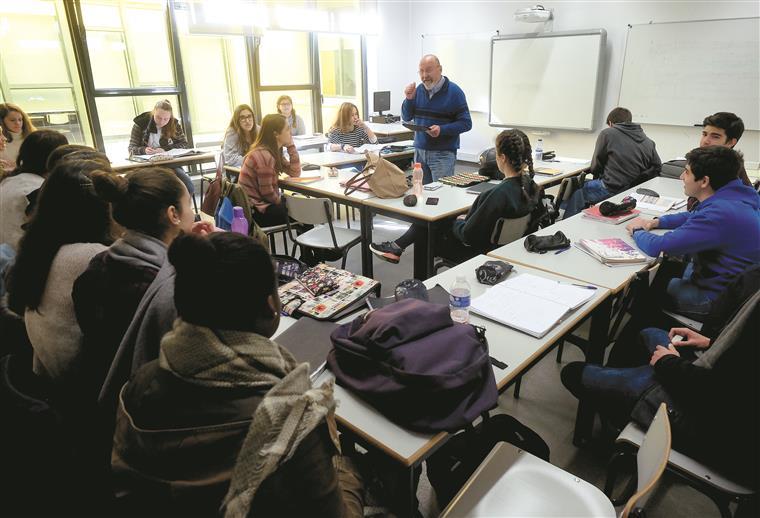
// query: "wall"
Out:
[398,56]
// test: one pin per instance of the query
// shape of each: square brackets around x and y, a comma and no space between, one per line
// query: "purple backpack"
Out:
[416,366]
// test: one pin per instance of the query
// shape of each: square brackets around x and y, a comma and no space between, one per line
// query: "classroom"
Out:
[379,258]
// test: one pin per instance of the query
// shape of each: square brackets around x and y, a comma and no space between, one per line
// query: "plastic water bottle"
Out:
[417,180]
[538,151]
[459,300]
[239,223]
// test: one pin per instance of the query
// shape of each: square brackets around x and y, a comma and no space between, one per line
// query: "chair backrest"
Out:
[310,211]
[651,459]
[507,230]
[673,169]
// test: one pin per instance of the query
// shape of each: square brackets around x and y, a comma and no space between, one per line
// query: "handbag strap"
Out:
[355,182]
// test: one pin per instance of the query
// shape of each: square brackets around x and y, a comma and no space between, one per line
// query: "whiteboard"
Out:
[548,80]
[677,73]
[464,58]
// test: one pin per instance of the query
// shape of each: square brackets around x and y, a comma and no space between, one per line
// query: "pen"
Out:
[585,286]
[561,250]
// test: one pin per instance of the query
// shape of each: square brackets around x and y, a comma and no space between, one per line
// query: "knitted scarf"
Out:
[289,412]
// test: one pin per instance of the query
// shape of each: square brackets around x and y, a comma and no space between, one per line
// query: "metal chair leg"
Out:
[516,394]
[560,348]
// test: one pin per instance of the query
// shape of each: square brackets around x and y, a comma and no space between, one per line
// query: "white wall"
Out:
[397,52]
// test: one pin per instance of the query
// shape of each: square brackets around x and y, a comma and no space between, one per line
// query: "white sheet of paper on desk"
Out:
[368,147]
[571,160]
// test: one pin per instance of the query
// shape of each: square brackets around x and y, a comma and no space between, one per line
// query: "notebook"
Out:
[529,303]
[593,213]
[612,251]
[309,341]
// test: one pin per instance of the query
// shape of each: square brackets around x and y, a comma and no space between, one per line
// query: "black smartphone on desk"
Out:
[431,201]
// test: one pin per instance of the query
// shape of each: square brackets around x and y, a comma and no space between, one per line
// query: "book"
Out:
[612,251]
[658,203]
[593,213]
[345,289]
[548,171]
[529,303]
[165,155]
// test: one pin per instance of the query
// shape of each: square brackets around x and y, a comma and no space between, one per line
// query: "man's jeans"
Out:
[592,192]
[687,298]
[435,164]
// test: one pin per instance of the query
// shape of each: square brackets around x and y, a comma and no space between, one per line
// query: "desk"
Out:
[520,351]
[124,164]
[569,167]
[339,158]
[394,129]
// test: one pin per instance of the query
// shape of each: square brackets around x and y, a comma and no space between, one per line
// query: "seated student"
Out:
[349,130]
[15,126]
[157,131]
[27,177]
[712,400]
[154,208]
[723,233]
[623,157]
[258,175]
[220,384]
[285,108]
[240,135]
[54,251]
[516,196]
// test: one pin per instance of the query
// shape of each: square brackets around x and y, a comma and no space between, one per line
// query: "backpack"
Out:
[416,366]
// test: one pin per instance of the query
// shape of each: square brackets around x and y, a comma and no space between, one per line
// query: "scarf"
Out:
[137,249]
[289,412]
[729,335]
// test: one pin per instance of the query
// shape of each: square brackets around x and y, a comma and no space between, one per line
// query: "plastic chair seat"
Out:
[320,237]
[512,482]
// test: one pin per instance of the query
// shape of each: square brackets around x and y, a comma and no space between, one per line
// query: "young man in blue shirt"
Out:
[441,105]
[722,234]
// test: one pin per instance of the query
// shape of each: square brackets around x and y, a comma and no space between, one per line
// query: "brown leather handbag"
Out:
[384,178]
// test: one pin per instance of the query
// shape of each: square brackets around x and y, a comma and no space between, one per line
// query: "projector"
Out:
[535,14]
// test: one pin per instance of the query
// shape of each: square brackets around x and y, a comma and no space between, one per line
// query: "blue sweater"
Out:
[723,233]
[447,108]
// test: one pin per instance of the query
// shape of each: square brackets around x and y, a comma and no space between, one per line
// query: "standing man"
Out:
[441,105]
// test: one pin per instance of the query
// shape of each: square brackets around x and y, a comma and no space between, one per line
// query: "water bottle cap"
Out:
[237,212]
[417,165]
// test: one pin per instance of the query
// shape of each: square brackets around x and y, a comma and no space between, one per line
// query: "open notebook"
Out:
[530,303]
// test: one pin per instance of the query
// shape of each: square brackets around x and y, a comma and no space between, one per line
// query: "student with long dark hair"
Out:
[25,178]
[71,224]
[516,196]
[258,176]
[225,417]
[154,208]
[15,126]
[240,135]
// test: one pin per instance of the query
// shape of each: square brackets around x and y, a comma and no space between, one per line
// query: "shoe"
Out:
[388,251]
[571,378]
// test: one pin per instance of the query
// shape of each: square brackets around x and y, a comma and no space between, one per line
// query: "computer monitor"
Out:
[382,101]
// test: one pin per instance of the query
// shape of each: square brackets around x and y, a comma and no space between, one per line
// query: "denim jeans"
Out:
[435,164]
[592,192]
[687,298]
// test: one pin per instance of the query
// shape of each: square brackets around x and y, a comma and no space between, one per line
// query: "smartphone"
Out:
[431,201]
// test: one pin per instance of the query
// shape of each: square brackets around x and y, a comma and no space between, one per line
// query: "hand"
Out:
[410,90]
[203,228]
[434,130]
[6,165]
[640,223]
[690,338]
[661,352]
[348,148]
[462,217]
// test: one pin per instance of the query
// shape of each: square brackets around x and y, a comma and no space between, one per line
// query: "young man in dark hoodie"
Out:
[623,157]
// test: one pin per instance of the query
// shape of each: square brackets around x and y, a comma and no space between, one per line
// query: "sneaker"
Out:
[387,250]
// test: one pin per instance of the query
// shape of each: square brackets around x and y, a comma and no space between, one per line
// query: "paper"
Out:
[530,303]
[368,147]
[658,204]
[166,155]
[571,160]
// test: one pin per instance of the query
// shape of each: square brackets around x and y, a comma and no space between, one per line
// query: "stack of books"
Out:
[593,213]
[612,251]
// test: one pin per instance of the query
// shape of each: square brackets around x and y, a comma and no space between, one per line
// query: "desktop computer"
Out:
[381,103]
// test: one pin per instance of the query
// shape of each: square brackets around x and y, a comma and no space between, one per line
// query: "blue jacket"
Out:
[447,108]
[723,234]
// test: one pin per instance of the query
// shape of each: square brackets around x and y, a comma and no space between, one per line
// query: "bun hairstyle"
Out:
[200,297]
[139,200]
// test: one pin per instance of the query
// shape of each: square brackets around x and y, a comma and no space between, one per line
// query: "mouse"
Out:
[410,200]
[647,192]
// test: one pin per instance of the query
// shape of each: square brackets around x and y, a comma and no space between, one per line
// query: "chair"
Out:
[318,211]
[673,169]
[512,482]
[720,489]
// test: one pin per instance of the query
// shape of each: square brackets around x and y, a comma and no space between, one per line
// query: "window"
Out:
[35,32]
[340,73]
[301,104]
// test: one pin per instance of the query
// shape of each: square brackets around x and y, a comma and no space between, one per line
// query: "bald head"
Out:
[430,70]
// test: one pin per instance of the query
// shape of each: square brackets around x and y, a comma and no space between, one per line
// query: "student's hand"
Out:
[409,90]
[203,228]
[434,130]
[661,352]
[153,150]
[690,338]
[5,165]
[348,148]
[640,223]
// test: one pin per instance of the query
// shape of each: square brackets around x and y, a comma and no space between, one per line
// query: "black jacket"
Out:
[624,156]
[144,126]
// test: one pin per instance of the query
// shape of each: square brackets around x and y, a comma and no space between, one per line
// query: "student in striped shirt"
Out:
[349,131]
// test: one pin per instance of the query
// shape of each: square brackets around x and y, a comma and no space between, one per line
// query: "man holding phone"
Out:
[440,105]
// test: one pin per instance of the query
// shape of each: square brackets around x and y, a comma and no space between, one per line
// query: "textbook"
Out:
[529,303]
[612,251]
[593,213]
[658,204]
